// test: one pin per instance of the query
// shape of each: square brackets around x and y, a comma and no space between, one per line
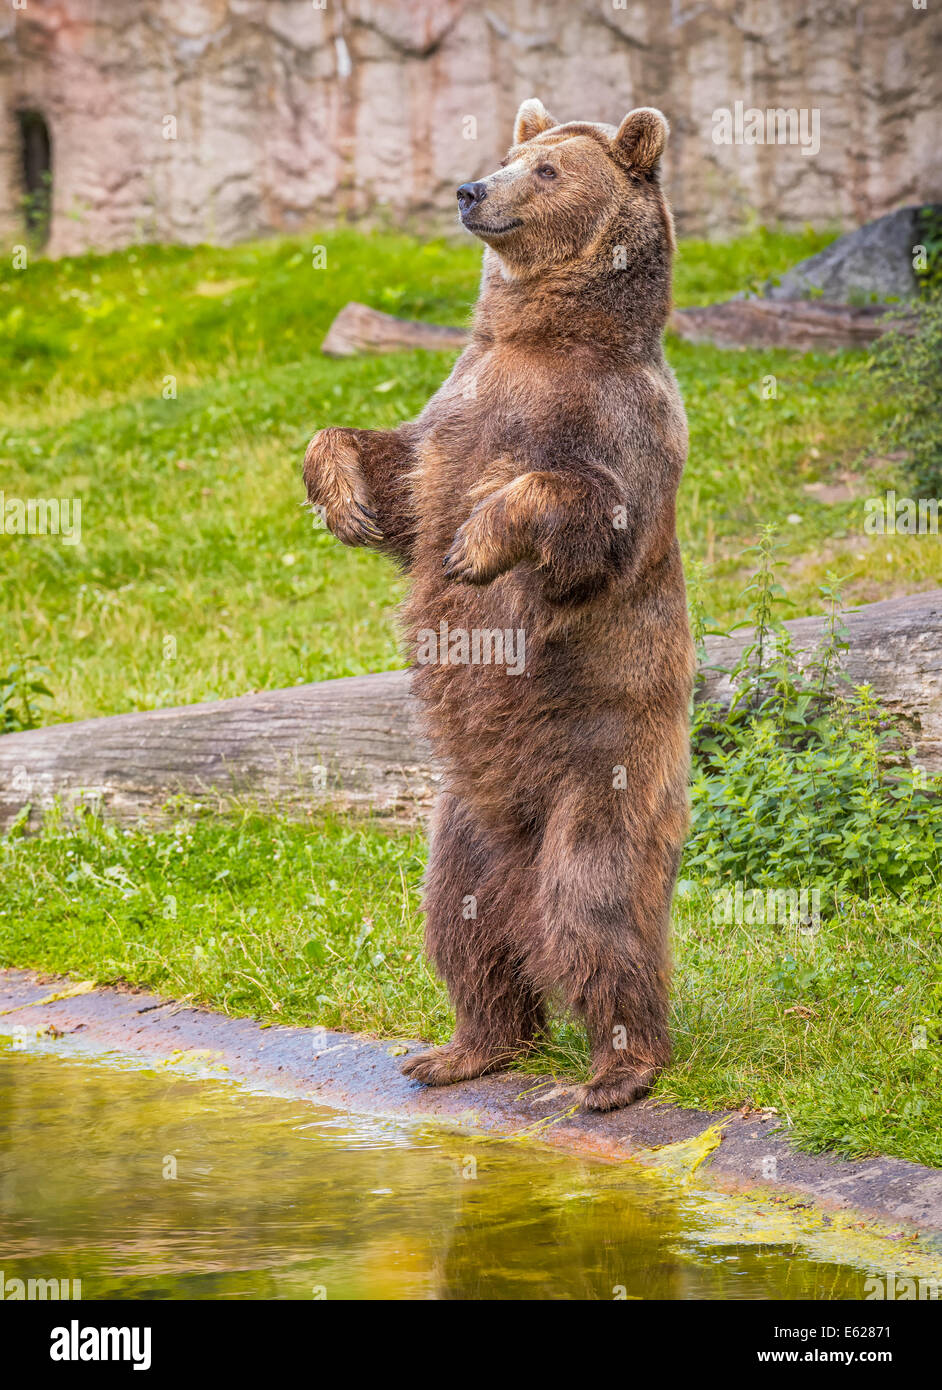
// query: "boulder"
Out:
[873,263]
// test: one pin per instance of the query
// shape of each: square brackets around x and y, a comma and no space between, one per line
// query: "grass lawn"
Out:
[321,924]
[173,391]
[199,575]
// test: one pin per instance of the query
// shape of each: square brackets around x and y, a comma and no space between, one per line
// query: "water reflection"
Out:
[152,1185]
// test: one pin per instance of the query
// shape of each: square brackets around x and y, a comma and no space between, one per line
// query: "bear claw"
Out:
[457,566]
[446,1065]
[615,1090]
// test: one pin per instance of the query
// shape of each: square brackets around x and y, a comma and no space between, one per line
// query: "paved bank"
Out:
[362,1074]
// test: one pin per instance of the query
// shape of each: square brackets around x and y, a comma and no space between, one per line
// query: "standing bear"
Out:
[533,504]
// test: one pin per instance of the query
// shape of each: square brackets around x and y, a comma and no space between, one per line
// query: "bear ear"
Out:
[532,118]
[641,138]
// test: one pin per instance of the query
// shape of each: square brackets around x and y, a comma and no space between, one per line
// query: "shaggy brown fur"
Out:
[536,491]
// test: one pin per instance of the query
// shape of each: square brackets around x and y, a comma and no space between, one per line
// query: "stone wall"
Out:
[285,113]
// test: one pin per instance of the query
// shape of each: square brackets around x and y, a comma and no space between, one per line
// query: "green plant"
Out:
[21,685]
[905,368]
[929,235]
[804,779]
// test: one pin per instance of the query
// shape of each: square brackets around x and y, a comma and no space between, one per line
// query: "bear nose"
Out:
[470,194]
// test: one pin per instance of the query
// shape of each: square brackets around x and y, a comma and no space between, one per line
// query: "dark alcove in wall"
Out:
[36,151]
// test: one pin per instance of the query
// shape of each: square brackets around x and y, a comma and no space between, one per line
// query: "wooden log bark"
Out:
[803,325]
[349,744]
[355,745]
[894,646]
[358,328]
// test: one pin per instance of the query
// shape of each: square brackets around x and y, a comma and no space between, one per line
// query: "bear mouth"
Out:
[481,228]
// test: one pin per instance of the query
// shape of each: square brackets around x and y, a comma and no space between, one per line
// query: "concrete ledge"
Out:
[362,1074]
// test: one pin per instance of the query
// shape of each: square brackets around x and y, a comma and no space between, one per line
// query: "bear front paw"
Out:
[336,489]
[464,566]
[480,550]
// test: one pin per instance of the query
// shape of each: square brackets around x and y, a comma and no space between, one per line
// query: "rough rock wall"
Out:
[285,112]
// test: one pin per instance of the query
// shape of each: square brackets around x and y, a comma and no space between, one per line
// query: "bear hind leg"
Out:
[605,892]
[474,891]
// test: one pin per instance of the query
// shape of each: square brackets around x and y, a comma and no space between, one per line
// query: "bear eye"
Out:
[546,171]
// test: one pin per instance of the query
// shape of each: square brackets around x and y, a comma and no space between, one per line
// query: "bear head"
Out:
[573,192]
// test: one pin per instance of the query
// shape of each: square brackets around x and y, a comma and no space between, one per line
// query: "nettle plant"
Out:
[906,371]
[22,685]
[805,780]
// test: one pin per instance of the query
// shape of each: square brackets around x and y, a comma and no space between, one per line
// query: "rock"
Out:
[222,120]
[873,263]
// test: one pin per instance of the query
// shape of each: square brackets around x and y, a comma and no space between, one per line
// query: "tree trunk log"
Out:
[358,328]
[354,744]
[800,324]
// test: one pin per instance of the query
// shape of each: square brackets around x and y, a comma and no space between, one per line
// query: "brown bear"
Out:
[533,504]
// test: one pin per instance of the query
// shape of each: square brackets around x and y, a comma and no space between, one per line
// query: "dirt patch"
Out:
[844,487]
[212,289]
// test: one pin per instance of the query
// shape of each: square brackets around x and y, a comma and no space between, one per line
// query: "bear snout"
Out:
[469,195]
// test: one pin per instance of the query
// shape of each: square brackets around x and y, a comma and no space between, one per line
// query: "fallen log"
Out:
[804,325]
[358,328]
[350,744]
[354,744]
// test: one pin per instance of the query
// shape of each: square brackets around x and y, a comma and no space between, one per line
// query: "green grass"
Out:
[199,575]
[708,271]
[319,923]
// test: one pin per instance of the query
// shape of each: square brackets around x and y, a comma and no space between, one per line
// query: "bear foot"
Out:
[443,1066]
[610,1091]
